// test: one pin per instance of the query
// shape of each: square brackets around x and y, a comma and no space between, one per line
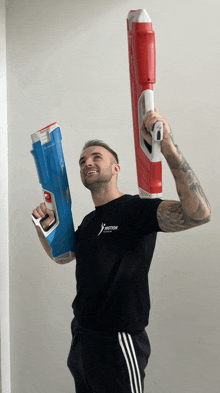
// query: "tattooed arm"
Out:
[193,209]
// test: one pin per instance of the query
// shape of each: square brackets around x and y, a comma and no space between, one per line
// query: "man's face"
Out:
[96,167]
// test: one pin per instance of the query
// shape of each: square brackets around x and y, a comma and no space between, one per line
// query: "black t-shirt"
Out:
[114,249]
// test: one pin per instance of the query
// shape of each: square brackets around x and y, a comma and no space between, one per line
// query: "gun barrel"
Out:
[143,48]
[142,67]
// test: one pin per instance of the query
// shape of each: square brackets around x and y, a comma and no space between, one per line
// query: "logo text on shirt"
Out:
[107,229]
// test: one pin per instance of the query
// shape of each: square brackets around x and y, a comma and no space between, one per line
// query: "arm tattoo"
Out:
[193,208]
[172,218]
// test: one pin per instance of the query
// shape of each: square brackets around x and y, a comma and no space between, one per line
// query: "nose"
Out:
[89,162]
[86,165]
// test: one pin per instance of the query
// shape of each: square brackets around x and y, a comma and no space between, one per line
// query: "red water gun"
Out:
[142,66]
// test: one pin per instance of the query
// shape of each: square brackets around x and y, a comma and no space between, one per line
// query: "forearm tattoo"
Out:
[172,218]
[193,208]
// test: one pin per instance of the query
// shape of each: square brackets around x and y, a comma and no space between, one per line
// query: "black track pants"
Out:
[103,362]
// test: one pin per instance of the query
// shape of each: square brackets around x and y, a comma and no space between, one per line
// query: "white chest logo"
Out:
[108,229]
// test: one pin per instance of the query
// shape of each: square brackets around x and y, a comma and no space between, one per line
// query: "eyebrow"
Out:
[93,154]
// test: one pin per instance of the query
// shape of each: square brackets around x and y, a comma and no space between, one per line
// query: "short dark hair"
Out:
[96,142]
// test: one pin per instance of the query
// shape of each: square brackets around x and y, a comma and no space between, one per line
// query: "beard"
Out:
[97,182]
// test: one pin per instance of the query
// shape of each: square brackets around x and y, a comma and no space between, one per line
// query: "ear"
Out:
[117,168]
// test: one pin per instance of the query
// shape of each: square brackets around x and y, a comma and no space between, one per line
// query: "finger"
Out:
[145,128]
[45,210]
[146,134]
[47,222]
[50,213]
[36,213]
[40,211]
[43,207]
[155,109]
[151,114]
[151,121]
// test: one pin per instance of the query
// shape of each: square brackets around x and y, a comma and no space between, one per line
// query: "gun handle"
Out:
[50,203]
[146,104]
[38,222]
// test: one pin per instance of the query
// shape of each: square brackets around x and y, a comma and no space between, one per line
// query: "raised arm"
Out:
[193,209]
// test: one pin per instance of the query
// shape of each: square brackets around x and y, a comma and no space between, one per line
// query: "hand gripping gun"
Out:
[142,66]
[49,160]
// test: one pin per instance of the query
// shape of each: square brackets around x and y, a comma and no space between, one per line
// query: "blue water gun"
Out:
[49,160]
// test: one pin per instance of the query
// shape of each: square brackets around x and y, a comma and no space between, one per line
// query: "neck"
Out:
[105,195]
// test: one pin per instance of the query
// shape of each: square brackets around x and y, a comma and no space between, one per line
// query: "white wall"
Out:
[5,386]
[68,62]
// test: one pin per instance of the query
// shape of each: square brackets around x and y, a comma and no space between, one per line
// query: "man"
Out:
[114,249]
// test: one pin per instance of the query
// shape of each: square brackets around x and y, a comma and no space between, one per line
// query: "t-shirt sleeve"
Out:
[144,213]
[77,233]
[79,229]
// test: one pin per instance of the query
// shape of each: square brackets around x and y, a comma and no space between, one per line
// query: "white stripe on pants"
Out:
[125,341]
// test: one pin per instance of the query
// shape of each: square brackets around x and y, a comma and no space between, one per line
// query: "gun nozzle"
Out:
[138,16]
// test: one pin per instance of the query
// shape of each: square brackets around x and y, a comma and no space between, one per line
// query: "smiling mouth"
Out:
[90,173]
